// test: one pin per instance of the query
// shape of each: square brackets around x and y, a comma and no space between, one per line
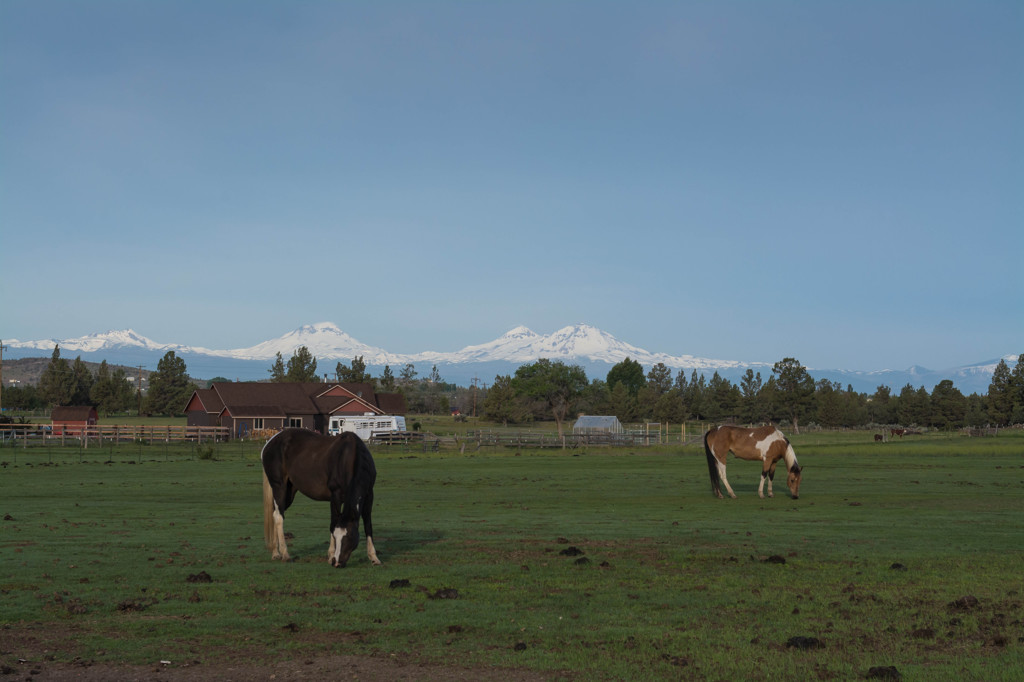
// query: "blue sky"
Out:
[839,182]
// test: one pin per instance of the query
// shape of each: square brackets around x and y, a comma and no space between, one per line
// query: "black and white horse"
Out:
[335,469]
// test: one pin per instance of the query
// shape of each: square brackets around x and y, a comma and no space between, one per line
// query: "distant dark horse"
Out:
[335,469]
[766,444]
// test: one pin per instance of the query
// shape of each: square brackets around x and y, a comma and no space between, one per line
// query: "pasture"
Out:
[599,564]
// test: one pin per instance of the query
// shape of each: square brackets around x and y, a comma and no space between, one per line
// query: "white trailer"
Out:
[366,426]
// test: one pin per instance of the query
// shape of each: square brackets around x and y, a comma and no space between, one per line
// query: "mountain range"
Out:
[595,350]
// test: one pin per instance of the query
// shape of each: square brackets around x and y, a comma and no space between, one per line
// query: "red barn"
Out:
[71,420]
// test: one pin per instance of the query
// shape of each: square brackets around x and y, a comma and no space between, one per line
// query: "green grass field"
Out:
[600,564]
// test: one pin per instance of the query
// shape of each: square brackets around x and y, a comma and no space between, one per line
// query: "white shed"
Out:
[591,425]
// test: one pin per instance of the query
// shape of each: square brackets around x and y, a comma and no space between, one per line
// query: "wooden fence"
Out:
[86,436]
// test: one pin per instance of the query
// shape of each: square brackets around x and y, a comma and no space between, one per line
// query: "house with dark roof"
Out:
[245,406]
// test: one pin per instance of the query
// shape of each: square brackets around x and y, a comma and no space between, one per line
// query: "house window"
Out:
[295,422]
[257,423]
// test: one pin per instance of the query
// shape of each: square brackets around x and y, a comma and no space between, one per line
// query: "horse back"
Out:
[765,442]
[308,460]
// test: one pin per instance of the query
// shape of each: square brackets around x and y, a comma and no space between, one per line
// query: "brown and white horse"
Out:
[335,469]
[765,443]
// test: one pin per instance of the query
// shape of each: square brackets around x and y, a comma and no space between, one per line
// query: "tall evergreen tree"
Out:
[301,366]
[751,410]
[948,405]
[1017,382]
[882,408]
[914,406]
[277,371]
[55,385]
[102,390]
[111,392]
[356,374]
[795,389]
[1001,394]
[169,386]
[407,375]
[81,382]
[828,402]
[387,380]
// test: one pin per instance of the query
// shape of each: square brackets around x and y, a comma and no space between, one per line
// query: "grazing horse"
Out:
[335,469]
[765,443]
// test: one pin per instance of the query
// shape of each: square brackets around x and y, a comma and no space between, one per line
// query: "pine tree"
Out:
[81,382]
[169,386]
[55,383]
[277,373]
[1001,394]
[387,380]
[301,366]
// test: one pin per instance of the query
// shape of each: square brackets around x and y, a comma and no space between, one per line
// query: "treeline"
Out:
[110,391]
[553,390]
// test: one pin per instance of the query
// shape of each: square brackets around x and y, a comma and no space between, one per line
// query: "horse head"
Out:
[349,541]
[793,481]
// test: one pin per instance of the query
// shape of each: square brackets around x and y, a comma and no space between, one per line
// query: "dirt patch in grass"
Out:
[49,653]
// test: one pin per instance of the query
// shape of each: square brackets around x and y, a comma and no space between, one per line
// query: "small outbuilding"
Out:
[71,420]
[592,425]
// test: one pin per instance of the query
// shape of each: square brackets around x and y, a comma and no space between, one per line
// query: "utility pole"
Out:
[475,379]
[138,390]
[2,346]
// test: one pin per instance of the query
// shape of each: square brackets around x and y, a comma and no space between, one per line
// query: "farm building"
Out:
[590,425]
[72,420]
[249,405]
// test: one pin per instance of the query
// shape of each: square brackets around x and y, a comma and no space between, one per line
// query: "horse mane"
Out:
[790,455]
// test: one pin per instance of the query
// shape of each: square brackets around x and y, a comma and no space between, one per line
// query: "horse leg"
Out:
[371,553]
[337,531]
[281,546]
[769,474]
[725,481]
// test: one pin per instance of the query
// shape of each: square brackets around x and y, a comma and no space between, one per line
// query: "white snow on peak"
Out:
[91,343]
[325,340]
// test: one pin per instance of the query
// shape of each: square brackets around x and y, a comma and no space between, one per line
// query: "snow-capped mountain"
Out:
[582,344]
[324,340]
[94,343]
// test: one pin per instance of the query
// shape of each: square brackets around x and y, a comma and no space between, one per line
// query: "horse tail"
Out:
[269,536]
[716,485]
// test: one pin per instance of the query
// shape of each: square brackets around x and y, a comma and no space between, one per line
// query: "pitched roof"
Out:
[597,423]
[239,411]
[254,398]
[210,400]
[72,413]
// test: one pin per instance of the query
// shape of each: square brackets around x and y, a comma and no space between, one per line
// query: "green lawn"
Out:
[611,564]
